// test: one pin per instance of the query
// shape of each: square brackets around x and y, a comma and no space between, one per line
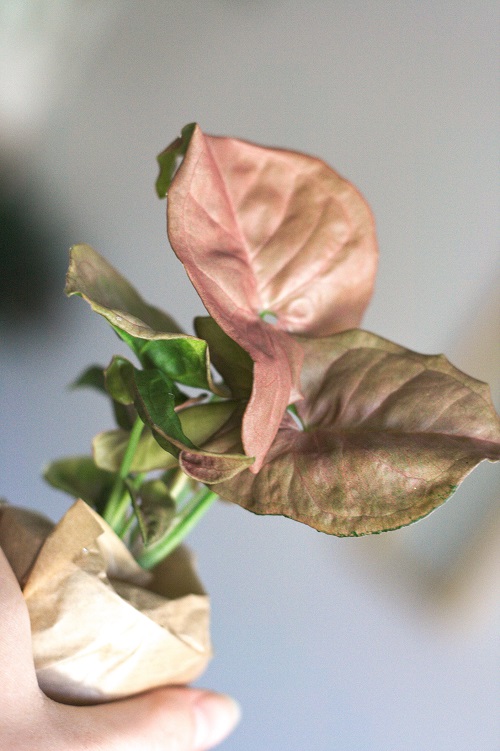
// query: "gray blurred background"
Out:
[387,643]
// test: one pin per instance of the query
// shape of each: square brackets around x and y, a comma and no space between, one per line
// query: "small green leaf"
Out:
[92,377]
[154,400]
[233,363]
[201,421]
[155,403]
[109,449]
[156,510]
[151,334]
[184,360]
[117,384]
[170,158]
[80,477]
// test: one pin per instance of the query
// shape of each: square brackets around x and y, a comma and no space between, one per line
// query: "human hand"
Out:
[167,719]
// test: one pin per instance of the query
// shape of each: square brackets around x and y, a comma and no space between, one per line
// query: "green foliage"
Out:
[81,478]
[170,159]
[92,377]
[313,418]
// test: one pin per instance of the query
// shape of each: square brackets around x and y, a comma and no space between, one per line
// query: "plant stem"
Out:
[179,485]
[119,499]
[182,525]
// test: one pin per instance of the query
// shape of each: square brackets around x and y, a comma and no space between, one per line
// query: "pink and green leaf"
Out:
[388,435]
[264,230]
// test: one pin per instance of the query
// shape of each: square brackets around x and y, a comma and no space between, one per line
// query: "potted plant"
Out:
[278,403]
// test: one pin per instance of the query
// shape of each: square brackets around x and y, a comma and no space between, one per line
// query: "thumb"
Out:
[16,656]
[184,719]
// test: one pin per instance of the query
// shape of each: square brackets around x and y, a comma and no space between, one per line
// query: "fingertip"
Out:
[216,716]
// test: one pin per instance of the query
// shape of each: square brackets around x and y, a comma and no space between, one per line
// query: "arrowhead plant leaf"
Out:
[151,334]
[95,377]
[92,377]
[155,510]
[81,478]
[109,447]
[233,363]
[270,231]
[154,399]
[110,294]
[170,159]
[312,419]
[199,423]
[387,436]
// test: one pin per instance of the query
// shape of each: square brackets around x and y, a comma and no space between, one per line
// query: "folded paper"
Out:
[102,627]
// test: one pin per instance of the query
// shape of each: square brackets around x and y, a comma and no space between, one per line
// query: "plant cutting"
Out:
[278,402]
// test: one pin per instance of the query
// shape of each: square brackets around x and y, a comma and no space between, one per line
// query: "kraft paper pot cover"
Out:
[102,627]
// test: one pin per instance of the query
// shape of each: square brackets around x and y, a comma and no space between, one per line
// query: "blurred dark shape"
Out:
[31,260]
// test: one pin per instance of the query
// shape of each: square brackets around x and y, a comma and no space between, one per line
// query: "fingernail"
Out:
[216,716]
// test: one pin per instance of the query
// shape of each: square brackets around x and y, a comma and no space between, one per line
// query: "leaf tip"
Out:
[170,159]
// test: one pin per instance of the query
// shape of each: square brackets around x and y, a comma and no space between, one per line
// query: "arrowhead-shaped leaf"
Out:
[154,399]
[233,363]
[80,477]
[198,423]
[108,449]
[388,436]
[94,377]
[170,159]
[111,295]
[154,508]
[270,231]
[152,334]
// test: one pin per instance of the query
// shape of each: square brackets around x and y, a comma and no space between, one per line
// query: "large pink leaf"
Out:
[389,434]
[270,231]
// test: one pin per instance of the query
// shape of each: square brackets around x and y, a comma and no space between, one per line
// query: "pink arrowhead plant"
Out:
[265,231]
[312,418]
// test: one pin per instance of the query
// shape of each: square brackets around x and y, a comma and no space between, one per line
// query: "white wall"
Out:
[386,644]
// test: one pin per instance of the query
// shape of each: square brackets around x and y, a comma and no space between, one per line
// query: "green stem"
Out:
[183,524]
[293,411]
[179,485]
[119,499]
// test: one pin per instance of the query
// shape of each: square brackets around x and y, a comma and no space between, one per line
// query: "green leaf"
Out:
[157,412]
[184,360]
[110,294]
[233,363]
[152,335]
[92,377]
[117,382]
[198,423]
[154,399]
[80,477]
[170,158]
[155,403]
[201,421]
[389,434]
[109,448]
[156,510]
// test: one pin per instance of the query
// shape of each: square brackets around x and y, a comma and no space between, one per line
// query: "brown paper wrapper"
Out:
[102,627]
